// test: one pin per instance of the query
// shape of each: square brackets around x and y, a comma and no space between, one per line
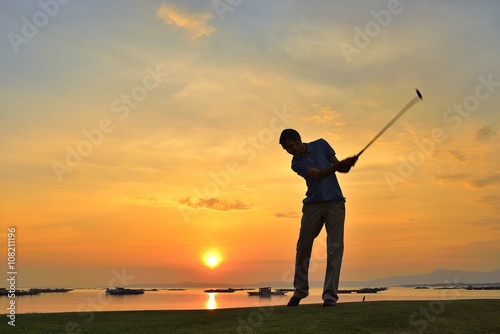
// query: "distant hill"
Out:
[438,277]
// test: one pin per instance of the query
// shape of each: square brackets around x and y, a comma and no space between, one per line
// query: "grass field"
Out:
[457,316]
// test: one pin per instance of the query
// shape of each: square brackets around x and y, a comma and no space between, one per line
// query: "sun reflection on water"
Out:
[211,302]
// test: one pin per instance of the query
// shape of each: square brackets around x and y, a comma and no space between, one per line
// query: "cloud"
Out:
[151,199]
[492,201]
[457,155]
[323,114]
[195,24]
[470,180]
[287,215]
[485,133]
[217,204]
[493,223]
[475,253]
[452,178]
[489,180]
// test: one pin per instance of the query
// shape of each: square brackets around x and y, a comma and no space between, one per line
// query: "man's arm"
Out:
[345,169]
[337,166]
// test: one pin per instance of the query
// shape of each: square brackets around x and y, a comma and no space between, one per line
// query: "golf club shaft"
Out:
[405,109]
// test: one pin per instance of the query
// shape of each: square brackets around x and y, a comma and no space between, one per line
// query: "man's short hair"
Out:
[289,134]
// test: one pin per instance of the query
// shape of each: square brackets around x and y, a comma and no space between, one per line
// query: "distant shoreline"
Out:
[202,286]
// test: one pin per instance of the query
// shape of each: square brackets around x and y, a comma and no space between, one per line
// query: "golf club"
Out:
[405,109]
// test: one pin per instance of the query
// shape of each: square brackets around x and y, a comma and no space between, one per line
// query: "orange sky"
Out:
[151,137]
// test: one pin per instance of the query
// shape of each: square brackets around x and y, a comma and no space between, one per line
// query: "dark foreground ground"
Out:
[456,316]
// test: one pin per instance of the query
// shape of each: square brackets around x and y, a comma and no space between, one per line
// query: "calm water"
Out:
[95,300]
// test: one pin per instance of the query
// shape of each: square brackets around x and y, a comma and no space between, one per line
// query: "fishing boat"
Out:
[16,293]
[220,290]
[120,291]
[50,290]
[266,292]
[363,290]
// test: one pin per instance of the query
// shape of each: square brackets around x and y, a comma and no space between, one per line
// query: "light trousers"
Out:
[314,217]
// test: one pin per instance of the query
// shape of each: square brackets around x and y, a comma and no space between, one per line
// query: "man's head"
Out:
[290,141]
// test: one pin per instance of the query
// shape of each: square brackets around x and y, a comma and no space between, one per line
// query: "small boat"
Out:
[266,292]
[470,287]
[363,290]
[120,291]
[220,290]
[5,292]
[50,290]
[370,290]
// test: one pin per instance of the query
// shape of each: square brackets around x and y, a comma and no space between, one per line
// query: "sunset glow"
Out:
[139,139]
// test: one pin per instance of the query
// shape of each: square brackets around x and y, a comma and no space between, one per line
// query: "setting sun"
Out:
[212,259]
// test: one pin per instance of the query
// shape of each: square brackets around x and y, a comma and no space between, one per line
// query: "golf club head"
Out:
[418,94]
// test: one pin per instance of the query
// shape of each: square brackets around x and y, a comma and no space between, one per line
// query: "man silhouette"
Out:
[324,205]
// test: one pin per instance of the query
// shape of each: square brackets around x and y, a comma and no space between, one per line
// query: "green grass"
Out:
[457,316]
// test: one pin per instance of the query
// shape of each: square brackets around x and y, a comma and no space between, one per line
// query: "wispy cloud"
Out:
[457,155]
[323,114]
[493,223]
[492,201]
[486,181]
[475,252]
[485,133]
[453,178]
[194,23]
[218,204]
[470,180]
[151,199]
[287,215]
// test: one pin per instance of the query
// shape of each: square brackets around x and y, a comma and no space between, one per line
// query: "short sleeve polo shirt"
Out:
[324,190]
